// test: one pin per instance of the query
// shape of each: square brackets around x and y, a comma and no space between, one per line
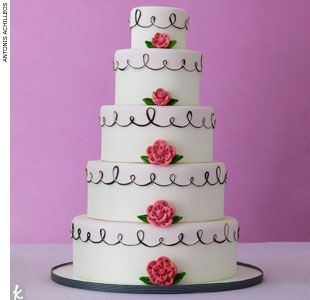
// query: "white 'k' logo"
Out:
[18,293]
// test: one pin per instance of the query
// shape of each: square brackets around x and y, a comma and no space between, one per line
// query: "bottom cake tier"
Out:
[139,253]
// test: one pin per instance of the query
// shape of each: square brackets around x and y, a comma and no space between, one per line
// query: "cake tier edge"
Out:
[127,131]
[119,252]
[123,191]
[139,72]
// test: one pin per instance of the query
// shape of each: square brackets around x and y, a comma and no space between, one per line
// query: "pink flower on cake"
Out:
[160,213]
[161,40]
[162,271]
[161,153]
[161,97]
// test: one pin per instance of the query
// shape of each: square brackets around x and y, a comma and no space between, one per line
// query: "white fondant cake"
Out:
[155,212]
[127,131]
[141,71]
[118,252]
[145,22]
[122,191]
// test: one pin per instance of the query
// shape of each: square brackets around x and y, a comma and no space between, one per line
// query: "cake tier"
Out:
[122,191]
[139,72]
[127,131]
[119,252]
[146,21]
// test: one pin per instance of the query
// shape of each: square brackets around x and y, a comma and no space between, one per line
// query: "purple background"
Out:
[256,76]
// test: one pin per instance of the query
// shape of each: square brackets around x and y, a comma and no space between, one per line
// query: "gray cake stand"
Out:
[247,276]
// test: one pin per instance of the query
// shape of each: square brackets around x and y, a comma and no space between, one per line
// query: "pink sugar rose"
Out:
[161,97]
[162,271]
[161,40]
[160,213]
[160,153]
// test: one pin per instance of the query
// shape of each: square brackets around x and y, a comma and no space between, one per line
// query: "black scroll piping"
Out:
[165,65]
[219,179]
[172,21]
[76,234]
[151,116]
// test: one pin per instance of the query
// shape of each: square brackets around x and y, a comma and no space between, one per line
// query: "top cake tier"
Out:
[146,21]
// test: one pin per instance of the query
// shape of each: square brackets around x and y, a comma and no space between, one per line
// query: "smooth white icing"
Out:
[125,264]
[119,191]
[159,16]
[132,85]
[123,202]
[127,144]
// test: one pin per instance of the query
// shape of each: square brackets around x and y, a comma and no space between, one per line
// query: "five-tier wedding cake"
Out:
[156,198]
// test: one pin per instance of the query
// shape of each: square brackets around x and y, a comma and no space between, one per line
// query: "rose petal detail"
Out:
[160,213]
[161,97]
[161,40]
[161,153]
[162,271]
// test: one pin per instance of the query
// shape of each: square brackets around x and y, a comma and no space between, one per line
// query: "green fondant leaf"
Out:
[149,44]
[148,101]
[143,218]
[172,101]
[172,43]
[176,158]
[145,159]
[178,277]
[176,219]
[147,280]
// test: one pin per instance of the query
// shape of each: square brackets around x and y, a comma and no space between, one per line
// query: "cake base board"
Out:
[247,276]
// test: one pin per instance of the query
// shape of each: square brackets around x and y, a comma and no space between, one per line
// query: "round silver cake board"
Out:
[247,276]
